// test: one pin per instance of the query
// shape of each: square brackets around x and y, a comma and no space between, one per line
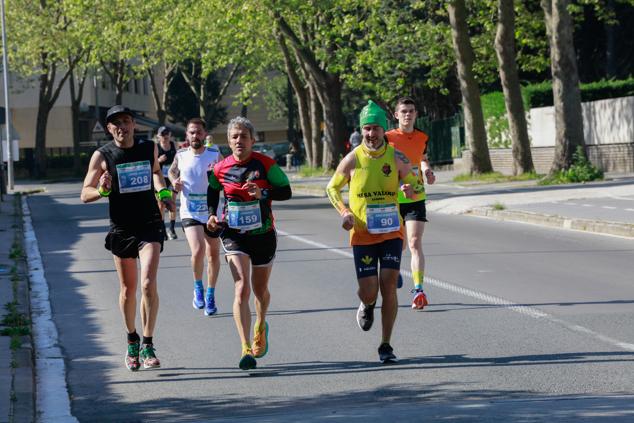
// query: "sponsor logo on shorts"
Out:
[390,257]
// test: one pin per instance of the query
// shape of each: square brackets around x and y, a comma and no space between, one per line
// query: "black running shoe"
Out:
[386,353]
[365,316]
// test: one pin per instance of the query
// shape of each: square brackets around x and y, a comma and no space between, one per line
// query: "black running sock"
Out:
[147,340]
[172,223]
[133,337]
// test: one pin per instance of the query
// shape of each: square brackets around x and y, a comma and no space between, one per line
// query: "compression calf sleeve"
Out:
[336,184]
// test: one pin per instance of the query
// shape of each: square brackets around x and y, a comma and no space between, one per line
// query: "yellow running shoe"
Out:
[247,361]
[261,341]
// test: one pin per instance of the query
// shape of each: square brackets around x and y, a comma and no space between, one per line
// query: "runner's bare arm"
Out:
[411,184]
[97,176]
[159,182]
[174,172]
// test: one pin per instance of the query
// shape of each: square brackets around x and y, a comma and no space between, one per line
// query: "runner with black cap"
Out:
[127,172]
[166,154]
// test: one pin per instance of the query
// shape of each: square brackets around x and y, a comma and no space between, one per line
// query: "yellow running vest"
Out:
[374,183]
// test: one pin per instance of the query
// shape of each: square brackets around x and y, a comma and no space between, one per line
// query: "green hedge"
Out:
[541,95]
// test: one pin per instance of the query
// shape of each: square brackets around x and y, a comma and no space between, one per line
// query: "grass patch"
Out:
[494,177]
[15,325]
[498,206]
[16,252]
[581,170]
[308,171]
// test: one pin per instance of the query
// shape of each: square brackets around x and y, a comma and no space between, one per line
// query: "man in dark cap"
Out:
[127,172]
[166,154]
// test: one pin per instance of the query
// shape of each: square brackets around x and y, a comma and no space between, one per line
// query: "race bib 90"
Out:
[382,218]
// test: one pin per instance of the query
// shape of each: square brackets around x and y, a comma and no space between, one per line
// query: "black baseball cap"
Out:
[164,130]
[118,110]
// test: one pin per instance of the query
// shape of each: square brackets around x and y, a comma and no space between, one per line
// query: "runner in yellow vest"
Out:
[373,170]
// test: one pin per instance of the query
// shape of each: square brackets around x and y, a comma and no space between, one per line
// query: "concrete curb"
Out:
[578,224]
[312,190]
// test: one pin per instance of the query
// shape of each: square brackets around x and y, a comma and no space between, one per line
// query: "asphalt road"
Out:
[613,209]
[526,324]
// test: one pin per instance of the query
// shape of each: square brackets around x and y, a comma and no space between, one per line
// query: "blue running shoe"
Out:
[199,299]
[399,284]
[210,305]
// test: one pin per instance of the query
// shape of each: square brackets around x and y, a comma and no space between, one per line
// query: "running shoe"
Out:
[171,234]
[199,299]
[261,341]
[210,305]
[132,356]
[247,361]
[399,284]
[148,357]
[386,353]
[420,299]
[365,316]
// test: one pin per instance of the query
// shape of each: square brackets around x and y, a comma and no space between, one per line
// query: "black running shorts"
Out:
[260,248]
[193,222]
[368,258]
[414,211]
[126,242]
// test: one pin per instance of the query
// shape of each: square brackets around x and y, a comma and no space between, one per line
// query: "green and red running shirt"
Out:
[229,175]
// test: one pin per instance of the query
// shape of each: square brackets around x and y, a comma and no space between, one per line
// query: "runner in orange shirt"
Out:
[413,143]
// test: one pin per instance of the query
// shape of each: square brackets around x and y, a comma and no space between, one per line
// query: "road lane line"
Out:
[53,403]
[490,299]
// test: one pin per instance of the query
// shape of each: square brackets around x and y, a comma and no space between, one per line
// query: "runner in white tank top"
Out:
[189,175]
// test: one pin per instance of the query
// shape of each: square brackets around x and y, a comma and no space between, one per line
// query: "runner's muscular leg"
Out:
[196,239]
[240,266]
[260,284]
[149,258]
[212,250]
[127,272]
[415,230]
[389,303]
[368,289]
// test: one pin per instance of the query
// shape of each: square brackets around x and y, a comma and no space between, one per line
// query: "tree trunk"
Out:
[316,114]
[159,96]
[43,110]
[76,94]
[505,49]
[301,94]
[566,93]
[329,87]
[474,121]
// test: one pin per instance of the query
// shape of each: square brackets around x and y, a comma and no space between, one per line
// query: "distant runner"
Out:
[166,154]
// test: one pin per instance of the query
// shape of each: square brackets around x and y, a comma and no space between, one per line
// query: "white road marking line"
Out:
[491,299]
[608,207]
[53,403]
[586,205]
[632,210]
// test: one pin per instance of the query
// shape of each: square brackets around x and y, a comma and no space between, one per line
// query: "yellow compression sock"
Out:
[418,277]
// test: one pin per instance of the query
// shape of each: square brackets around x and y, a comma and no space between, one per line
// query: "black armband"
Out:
[277,193]
[213,198]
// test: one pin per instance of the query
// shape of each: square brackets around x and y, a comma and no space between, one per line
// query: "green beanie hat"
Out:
[373,114]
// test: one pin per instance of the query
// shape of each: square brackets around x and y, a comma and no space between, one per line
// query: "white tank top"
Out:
[193,173]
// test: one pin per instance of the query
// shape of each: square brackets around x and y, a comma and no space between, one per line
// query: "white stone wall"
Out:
[608,121]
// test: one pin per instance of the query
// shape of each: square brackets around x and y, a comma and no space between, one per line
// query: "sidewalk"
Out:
[16,355]
[522,201]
